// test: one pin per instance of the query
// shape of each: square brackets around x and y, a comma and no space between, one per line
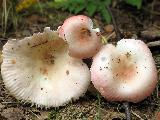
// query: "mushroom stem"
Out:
[127,110]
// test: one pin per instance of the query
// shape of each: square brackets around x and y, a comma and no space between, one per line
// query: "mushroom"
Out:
[83,40]
[39,70]
[125,72]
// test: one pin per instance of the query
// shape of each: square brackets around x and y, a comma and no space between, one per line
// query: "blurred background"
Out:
[134,18]
[27,15]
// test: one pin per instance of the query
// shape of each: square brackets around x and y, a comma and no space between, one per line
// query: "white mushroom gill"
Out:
[38,69]
[126,72]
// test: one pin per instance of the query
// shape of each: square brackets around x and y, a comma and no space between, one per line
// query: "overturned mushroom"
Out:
[38,69]
[83,40]
[126,72]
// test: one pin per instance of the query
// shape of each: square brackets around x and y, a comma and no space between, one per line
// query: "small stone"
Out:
[109,28]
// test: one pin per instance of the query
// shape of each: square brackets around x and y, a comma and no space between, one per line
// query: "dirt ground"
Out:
[138,24]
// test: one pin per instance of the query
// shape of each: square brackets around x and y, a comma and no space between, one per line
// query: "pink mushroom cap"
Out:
[83,40]
[125,72]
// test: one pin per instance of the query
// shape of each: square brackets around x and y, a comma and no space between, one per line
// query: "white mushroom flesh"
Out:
[38,69]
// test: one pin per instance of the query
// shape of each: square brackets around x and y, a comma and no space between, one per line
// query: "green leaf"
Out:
[71,9]
[91,8]
[137,3]
[55,5]
[74,6]
[60,1]
[105,14]
[79,8]
[106,2]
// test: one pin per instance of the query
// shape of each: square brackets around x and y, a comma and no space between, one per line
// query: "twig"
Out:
[109,36]
[34,114]
[154,43]
[155,12]
[117,31]
[5,16]
[138,116]
[151,12]
[152,8]
[9,102]
[3,39]
[157,91]
[137,19]
[158,27]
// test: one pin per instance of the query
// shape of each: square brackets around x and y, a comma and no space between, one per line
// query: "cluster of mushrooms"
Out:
[46,69]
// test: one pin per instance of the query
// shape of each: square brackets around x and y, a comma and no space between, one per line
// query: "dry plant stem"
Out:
[117,31]
[109,36]
[127,110]
[157,92]
[154,43]
[152,8]
[2,40]
[138,116]
[5,16]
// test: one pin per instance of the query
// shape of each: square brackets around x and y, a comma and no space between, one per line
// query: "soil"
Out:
[132,23]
